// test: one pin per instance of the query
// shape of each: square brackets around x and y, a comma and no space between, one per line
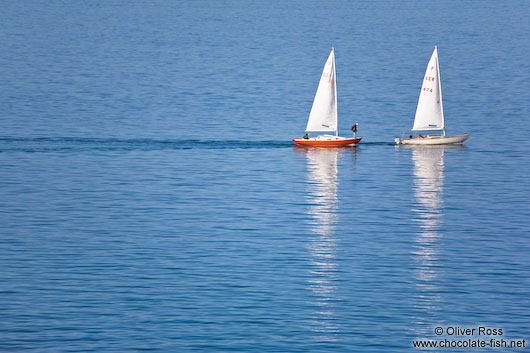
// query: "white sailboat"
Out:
[430,112]
[323,116]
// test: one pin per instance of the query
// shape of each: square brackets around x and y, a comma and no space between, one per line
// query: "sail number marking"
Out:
[430,79]
[328,76]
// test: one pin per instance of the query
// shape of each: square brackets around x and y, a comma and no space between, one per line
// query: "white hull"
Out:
[432,140]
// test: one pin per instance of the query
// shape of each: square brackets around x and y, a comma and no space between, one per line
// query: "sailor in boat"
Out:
[354,129]
[306,136]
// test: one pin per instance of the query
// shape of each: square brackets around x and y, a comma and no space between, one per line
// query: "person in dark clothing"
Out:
[354,129]
[306,136]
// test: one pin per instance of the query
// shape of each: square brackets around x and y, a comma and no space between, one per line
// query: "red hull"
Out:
[323,143]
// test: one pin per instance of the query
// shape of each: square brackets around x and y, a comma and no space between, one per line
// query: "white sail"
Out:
[429,113]
[323,116]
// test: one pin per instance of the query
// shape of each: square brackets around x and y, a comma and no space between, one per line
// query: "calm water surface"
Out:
[151,198]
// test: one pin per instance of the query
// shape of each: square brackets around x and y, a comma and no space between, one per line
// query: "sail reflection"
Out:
[428,189]
[323,200]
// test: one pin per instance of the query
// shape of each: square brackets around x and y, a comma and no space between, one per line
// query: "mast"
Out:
[335,81]
[440,89]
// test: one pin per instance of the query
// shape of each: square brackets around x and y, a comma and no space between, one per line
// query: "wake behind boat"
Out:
[323,116]
[429,112]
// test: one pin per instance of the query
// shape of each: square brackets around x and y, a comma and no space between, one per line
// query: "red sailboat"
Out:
[323,116]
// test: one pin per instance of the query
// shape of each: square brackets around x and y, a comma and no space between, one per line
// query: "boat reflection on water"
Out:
[323,206]
[428,190]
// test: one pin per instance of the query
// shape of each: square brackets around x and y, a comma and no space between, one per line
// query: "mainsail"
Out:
[429,113]
[323,116]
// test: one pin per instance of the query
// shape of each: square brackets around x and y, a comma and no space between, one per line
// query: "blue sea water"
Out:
[151,197]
